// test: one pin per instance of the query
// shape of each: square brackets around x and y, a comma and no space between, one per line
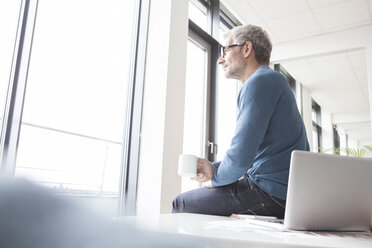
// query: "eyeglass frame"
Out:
[223,49]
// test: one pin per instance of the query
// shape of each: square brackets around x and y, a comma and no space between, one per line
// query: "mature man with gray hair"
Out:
[253,176]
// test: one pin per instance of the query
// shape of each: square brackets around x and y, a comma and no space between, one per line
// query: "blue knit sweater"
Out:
[269,127]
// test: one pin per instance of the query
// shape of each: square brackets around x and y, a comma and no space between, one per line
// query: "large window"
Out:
[74,99]
[9,14]
[75,102]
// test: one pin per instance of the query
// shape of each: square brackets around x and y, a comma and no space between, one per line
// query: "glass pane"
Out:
[198,14]
[75,104]
[194,119]
[313,115]
[9,12]
[223,30]
[315,140]
[227,94]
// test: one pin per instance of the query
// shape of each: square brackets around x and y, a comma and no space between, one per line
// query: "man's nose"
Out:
[220,60]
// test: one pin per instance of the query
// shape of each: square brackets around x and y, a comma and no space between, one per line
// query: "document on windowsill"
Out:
[275,229]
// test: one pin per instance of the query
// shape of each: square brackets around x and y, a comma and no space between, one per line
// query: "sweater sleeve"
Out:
[257,103]
[216,164]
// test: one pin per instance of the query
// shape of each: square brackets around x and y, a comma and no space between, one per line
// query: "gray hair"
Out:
[259,38]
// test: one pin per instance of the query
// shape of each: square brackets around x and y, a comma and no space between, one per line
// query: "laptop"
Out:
[328,193]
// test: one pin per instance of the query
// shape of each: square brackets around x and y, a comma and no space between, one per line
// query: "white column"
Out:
[163,107]
[307,115]
[327,131]
[369,73]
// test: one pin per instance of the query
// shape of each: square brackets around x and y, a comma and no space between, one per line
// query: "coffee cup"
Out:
[187,165]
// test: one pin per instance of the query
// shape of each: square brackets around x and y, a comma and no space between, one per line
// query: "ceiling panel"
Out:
[324,97]
[309,79]
[361,72]
[245,11]
[330,64]
[299,68]
[363,81]
[339,16]
[269,9]
[357,58]
[294,26]
[339,77]
[356,92]
[322,3]
[355,101]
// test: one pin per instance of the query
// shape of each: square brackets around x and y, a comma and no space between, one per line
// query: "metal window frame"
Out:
[17,86]
[212,39]
[131,144]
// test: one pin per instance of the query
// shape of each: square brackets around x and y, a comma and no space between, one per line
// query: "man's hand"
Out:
[205,171]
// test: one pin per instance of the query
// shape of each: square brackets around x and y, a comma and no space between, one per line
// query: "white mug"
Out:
[187,165]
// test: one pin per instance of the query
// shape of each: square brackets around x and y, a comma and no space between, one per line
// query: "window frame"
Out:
[212,39]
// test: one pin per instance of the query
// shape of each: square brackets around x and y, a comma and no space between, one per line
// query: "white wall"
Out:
[163,107]
[327,130]
[343,145]
[352,143]
[369,72]
[307,115]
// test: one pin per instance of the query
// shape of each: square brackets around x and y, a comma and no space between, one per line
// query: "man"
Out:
[253,176]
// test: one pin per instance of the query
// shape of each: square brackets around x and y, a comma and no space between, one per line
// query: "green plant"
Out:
[356,152]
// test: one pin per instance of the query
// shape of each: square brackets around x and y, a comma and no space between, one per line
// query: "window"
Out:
[75,102]
[9,14]
[74,125]
[198,13]
[317,127]
[195,132]
[221,114]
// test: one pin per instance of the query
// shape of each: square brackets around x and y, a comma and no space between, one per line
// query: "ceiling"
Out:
[338,82]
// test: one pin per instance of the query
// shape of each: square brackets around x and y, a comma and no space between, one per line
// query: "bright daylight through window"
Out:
[75,104]
[195,105]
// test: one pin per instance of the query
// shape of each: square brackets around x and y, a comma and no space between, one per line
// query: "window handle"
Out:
[212,147]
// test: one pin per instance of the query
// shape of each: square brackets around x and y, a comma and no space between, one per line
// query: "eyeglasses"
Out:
[224,49]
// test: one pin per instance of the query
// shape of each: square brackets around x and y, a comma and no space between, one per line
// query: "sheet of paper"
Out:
[254,226]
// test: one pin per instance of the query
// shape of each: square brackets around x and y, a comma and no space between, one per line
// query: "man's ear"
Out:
[247,48]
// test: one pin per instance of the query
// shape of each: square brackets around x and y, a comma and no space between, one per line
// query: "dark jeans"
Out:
[241,197]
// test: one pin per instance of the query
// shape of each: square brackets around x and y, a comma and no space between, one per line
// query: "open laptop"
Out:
[328,193]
